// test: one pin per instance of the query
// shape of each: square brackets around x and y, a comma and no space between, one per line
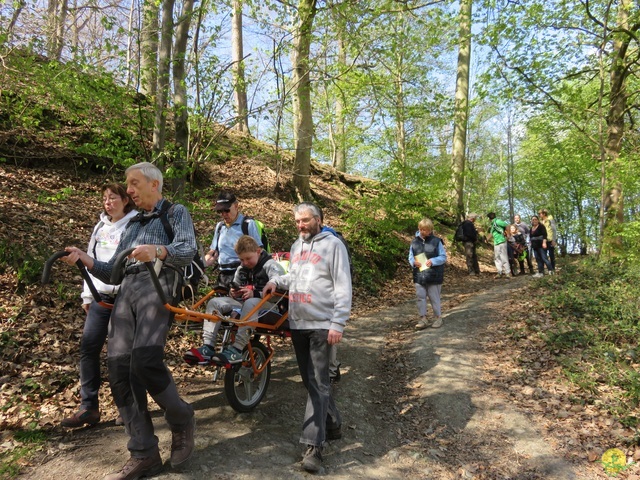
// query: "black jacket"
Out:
[470,232]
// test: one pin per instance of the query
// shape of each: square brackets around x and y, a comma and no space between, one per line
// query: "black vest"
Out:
[256,276]
[428,246]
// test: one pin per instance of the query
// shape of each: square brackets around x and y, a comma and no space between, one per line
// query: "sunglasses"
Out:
[226,210]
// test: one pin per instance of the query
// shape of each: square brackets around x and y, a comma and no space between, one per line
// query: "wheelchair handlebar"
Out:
[118,272]
[48,265]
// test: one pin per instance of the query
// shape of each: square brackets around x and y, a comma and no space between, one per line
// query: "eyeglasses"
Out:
[226,210]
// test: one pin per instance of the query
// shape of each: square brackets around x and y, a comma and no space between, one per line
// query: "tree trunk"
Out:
[303,120]
[162,94]
[19,5]
[461,108]
[149,47]
[613,199]
[237,52]
[340,139]
[56,19]
[180,106]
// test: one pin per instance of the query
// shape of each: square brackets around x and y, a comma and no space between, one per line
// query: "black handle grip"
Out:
[46,273]
[117,273]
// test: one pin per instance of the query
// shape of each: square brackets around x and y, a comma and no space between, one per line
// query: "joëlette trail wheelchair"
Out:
[246,382]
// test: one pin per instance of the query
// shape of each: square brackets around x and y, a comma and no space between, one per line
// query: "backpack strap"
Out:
[217,233]
[93,237]
[164,218]
[245,225]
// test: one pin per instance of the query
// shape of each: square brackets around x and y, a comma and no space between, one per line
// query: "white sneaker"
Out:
[538,275]
[437,323]
[551,272]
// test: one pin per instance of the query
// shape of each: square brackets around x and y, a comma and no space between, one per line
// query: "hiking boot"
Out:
[137,467]
[229,355]
[334,433]
[335,378]
[183,443]
[81,418]
[312,460]
[437,323]
[200,356]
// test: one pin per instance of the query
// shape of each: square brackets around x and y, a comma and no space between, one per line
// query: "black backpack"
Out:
[459,236]
[193,273]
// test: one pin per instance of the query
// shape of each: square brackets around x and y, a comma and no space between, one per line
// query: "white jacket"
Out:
[105,239]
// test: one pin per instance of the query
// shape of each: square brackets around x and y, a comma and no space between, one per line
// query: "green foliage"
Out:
[26,265]
[596,326]
[30,441]
[376,226]
[66,107]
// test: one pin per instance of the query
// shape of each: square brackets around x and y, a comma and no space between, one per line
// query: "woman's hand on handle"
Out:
[76,254]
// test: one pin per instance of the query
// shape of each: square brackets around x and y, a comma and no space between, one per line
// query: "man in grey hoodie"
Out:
[319,284]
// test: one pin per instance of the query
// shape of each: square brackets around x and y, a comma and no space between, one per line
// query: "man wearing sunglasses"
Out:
[227,233]
[232,226]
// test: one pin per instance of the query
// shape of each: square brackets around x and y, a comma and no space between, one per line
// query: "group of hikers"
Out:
[513,244]
[137,217]
[320,293]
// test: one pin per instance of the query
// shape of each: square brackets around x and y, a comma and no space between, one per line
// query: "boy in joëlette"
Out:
[255,270]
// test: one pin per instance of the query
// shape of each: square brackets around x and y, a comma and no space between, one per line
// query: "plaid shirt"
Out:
[180,252]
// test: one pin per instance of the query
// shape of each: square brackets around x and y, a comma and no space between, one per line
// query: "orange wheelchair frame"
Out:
[245,383]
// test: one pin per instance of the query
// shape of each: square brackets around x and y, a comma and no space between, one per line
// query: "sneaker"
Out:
[334,433]
[229,355]
[81,418]
[538,275]
[312,460]
[199,356]
[183,443]
[552,272]
[421,325]
[498,275]
[137,467]
[437,323]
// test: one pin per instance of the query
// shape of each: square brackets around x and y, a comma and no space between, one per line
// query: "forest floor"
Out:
[475,399]
[416,404]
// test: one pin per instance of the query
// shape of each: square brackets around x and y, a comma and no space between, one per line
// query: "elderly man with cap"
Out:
[232,226]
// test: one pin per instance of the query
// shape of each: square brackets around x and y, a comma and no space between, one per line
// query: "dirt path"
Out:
[414,406]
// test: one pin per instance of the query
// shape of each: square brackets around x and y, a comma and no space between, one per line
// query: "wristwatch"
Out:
[158,251]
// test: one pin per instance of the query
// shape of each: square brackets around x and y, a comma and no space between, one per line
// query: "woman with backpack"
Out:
[118,211]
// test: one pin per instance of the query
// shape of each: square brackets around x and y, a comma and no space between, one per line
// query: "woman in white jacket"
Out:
[118,210]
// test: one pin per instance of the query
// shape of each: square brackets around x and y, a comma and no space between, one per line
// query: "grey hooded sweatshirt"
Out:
[319,283]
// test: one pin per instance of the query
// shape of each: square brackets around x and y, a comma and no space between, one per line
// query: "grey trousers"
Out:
[312,353]
[137,337]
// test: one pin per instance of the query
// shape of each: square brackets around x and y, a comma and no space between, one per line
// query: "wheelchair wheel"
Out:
[245,390]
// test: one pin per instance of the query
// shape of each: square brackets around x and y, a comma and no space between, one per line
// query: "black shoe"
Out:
[335,378]
[334,433]
[312,460]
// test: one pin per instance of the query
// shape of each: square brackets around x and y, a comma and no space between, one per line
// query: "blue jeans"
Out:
[542,260]
[312,353]
[94,335]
